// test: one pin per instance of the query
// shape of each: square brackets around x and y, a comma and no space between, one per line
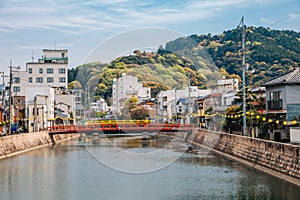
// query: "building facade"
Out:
[126,87]
[283,102]
[50,70]
[39,108]
[38,86]
[178,102]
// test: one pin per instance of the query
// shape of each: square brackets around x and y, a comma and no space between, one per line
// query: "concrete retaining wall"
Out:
[278,159]
[19,143]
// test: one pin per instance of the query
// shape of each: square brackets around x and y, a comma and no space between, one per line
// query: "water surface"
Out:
[69,171]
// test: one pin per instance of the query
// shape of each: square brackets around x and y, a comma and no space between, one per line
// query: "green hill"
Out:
[269,53]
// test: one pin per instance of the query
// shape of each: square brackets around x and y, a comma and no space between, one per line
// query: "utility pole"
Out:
[244,78]
[9,101]
[189,92]
[3,102]
[175,108]
[3,88]
[10,97]
[35,115]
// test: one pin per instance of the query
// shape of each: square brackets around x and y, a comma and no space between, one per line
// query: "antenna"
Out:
[54,45]
[32,56]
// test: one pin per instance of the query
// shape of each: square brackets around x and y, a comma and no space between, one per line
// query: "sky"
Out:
[28,26]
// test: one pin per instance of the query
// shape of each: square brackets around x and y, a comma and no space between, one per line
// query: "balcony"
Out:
[275,105]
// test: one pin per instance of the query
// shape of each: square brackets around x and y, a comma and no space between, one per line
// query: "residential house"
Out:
[283,102]
[175,104]
[65,107]
[39,108]
[222,95]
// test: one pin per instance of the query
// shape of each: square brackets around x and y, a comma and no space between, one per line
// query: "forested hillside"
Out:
[269,53]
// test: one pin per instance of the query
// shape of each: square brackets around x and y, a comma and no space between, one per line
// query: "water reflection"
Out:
[70,172]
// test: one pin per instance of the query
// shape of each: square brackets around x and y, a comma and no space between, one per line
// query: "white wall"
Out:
[45,100]
[295,134]
[125,87]
[68,99]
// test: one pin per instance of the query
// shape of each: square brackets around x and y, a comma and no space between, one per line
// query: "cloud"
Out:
[264,20]
[293,15]
[76,16]
[39,47]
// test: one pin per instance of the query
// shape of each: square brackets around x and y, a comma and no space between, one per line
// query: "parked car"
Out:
[15,128]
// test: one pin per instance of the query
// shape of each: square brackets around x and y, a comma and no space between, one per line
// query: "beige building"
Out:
[39,83]
[50,70]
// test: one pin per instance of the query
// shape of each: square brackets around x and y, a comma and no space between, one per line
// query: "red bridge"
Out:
[120,128]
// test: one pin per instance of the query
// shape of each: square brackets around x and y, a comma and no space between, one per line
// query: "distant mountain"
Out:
[269,53]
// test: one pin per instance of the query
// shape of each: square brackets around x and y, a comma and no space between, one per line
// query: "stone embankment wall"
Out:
[278,159]
[19,143]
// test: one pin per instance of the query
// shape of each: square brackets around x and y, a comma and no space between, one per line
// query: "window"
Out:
[49,70]
[30,70]
[16,89]
[61,70]
[30,79]
[276,95]
[41,70]
[16,79]
[49,79]
[62,79]
[275,102]
[39,79]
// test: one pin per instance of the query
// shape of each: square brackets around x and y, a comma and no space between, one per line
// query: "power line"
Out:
[283,19]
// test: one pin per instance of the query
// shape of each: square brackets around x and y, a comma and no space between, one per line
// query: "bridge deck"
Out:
[119,128]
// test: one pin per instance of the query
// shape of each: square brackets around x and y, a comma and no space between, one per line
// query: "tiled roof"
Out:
[288,78]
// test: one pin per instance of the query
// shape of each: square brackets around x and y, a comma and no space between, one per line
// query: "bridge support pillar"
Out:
[82,137]
[145,139]
[96,138]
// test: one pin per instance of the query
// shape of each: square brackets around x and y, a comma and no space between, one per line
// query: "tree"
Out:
[139,113]
[74,85]
[100,90]
[128,105]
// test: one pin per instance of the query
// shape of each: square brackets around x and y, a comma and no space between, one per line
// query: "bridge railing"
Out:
[117,127]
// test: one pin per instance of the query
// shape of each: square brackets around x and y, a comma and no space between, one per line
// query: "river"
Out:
[73,171]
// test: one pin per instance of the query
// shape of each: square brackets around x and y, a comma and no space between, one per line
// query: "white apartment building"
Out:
[99,106]
[126,87]
[50,70]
